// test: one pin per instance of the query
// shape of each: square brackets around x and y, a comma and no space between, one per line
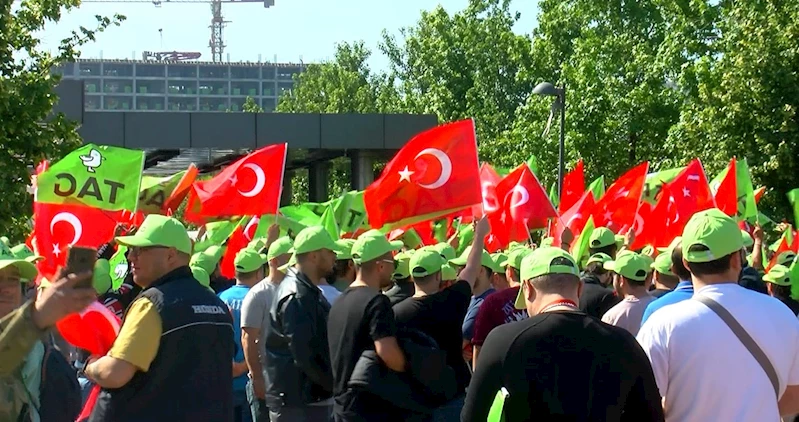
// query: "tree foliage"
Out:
[28,133]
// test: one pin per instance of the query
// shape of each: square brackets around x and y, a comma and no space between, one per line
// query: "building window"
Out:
[214,72]
[268,104]
[89,69]
[115,86]
[92,102]
[150,70]
[287,73]
[182,104]
[117,69]
[268,73]
[245,72]
[283,87]
[213,104]
[213,88]
[244,88]
[181,87]
[150,103]
[112,102]
[150,87]
[91,85]
[182,71]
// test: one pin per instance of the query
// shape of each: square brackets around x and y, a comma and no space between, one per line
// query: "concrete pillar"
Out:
[362,171]
[285,198]
[318,177]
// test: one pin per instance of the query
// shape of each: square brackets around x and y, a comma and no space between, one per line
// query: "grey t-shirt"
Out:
[628,313]
[255,311]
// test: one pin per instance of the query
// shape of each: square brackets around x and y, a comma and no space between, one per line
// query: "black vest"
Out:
[191,377]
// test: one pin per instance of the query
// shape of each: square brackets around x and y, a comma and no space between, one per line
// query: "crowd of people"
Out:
[366,329]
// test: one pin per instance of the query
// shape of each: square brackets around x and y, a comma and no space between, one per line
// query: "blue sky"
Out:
[292,30]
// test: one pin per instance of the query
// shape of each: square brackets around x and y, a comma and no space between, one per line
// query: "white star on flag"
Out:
[608,215]
[405,174]
[686,193]
[56,250]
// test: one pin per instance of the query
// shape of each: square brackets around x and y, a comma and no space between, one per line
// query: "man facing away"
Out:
[581,370]
[360,320]
[703,370]
[172,359]
[631,271]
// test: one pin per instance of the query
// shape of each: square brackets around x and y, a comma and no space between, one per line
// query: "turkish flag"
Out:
[434,174]
[574,218]
[56,227]
[619,205]
[524,204]
[573,187]
[250,186]
[684,196]
[727,191]
[489,179]
[238,240]
[646,228]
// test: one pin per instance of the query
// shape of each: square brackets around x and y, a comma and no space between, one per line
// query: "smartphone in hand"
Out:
[80,260]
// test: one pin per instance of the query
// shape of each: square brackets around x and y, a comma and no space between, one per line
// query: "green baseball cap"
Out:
[292,262]
[101,277]
[448,273]
[426,261]
[204,260]
[714,232]
[257,244]
[485,259]
[630,265]
[500,259]
[249,260]
[601,237]
[216,251]
[281,246]
[344,250]
[662,264]
[372,245]
[543,261]
[516,256]
[22,251]
[786,258]
[201,276]
[403,270]
[600,257]
[159,230]
[779,275]
[446,250]
[311,239]
[27,271]
[747,239]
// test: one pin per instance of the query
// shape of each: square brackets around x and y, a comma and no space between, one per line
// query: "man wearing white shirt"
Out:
[703,371]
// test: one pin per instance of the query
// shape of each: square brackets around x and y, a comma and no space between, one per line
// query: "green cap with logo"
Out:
[599,257]
[27,271]
[516,256]
[22,251]
[426,261]
[779,275]
[311,239]
[159,230]
[543,261]
[485,259]
[448,273]
[344,250]
[201,276]
[662,264]
[101,276]
[601,237]
[403,270]
[630,265]
[281,246]
[446,250]
[248,260]
[372,245]
[710,235]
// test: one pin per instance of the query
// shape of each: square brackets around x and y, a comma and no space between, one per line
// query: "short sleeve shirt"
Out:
[140,335]
[255,311]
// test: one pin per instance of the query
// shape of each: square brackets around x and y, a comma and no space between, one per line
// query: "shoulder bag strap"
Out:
[745,338]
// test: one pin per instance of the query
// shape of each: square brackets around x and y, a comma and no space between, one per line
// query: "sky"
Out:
[291,30]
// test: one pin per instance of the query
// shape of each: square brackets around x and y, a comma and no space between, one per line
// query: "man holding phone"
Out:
[172,359]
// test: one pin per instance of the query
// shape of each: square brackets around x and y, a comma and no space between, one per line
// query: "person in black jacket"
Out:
[299,378]
[596,298]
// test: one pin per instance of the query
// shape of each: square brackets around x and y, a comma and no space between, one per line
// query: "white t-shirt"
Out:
[628,313]
[704,372]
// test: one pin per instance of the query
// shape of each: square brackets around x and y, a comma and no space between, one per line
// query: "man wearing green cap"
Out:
[561,364]
[299,379]
[704,370]
[361,320]
[596,298]
[402,286]
[602,240]
[779,286]
[22,326]
[249,265]
[172,357]
[630,275]
[344,270]
[663,280]
[255,318]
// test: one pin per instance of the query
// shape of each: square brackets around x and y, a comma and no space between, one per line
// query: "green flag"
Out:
[154,191]
[747,207]
[580,245]
[119,267]
[215,234]
[553,194]
[351,212]
[328,221]
[793,198]
[532,162]
[497,411]
[102,177]
[655,181]
[597,187]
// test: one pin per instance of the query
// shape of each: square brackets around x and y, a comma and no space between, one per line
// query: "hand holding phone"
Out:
[81,260]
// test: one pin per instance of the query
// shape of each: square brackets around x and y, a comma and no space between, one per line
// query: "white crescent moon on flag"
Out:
[253,221]
[260,180]
[488,207]
[639,224]
[525,196]
[574,217]
[70,218]
[446,167]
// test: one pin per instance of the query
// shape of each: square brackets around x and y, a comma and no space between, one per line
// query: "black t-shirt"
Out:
[440,316]
[596,299]
[359,317]
[564,366]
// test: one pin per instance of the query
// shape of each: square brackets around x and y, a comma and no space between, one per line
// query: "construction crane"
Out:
[218,23]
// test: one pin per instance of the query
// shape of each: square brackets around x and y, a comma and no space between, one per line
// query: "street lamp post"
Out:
[546,89]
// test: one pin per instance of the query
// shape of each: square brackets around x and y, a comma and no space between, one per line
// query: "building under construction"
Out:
[172,85]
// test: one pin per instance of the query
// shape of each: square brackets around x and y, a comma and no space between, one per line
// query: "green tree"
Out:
[251,106]
[28,133]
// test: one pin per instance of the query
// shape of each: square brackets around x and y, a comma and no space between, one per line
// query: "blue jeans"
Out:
[450,411]
[241,407]
[258,409]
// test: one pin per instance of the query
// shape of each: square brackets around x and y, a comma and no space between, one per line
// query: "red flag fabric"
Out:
[250,186]
[434,174]
[56,227]
[489,179]
[619,205]
[727,192]
[237,241]
[574,218]
[523,204]
[573,187]
[646,228]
